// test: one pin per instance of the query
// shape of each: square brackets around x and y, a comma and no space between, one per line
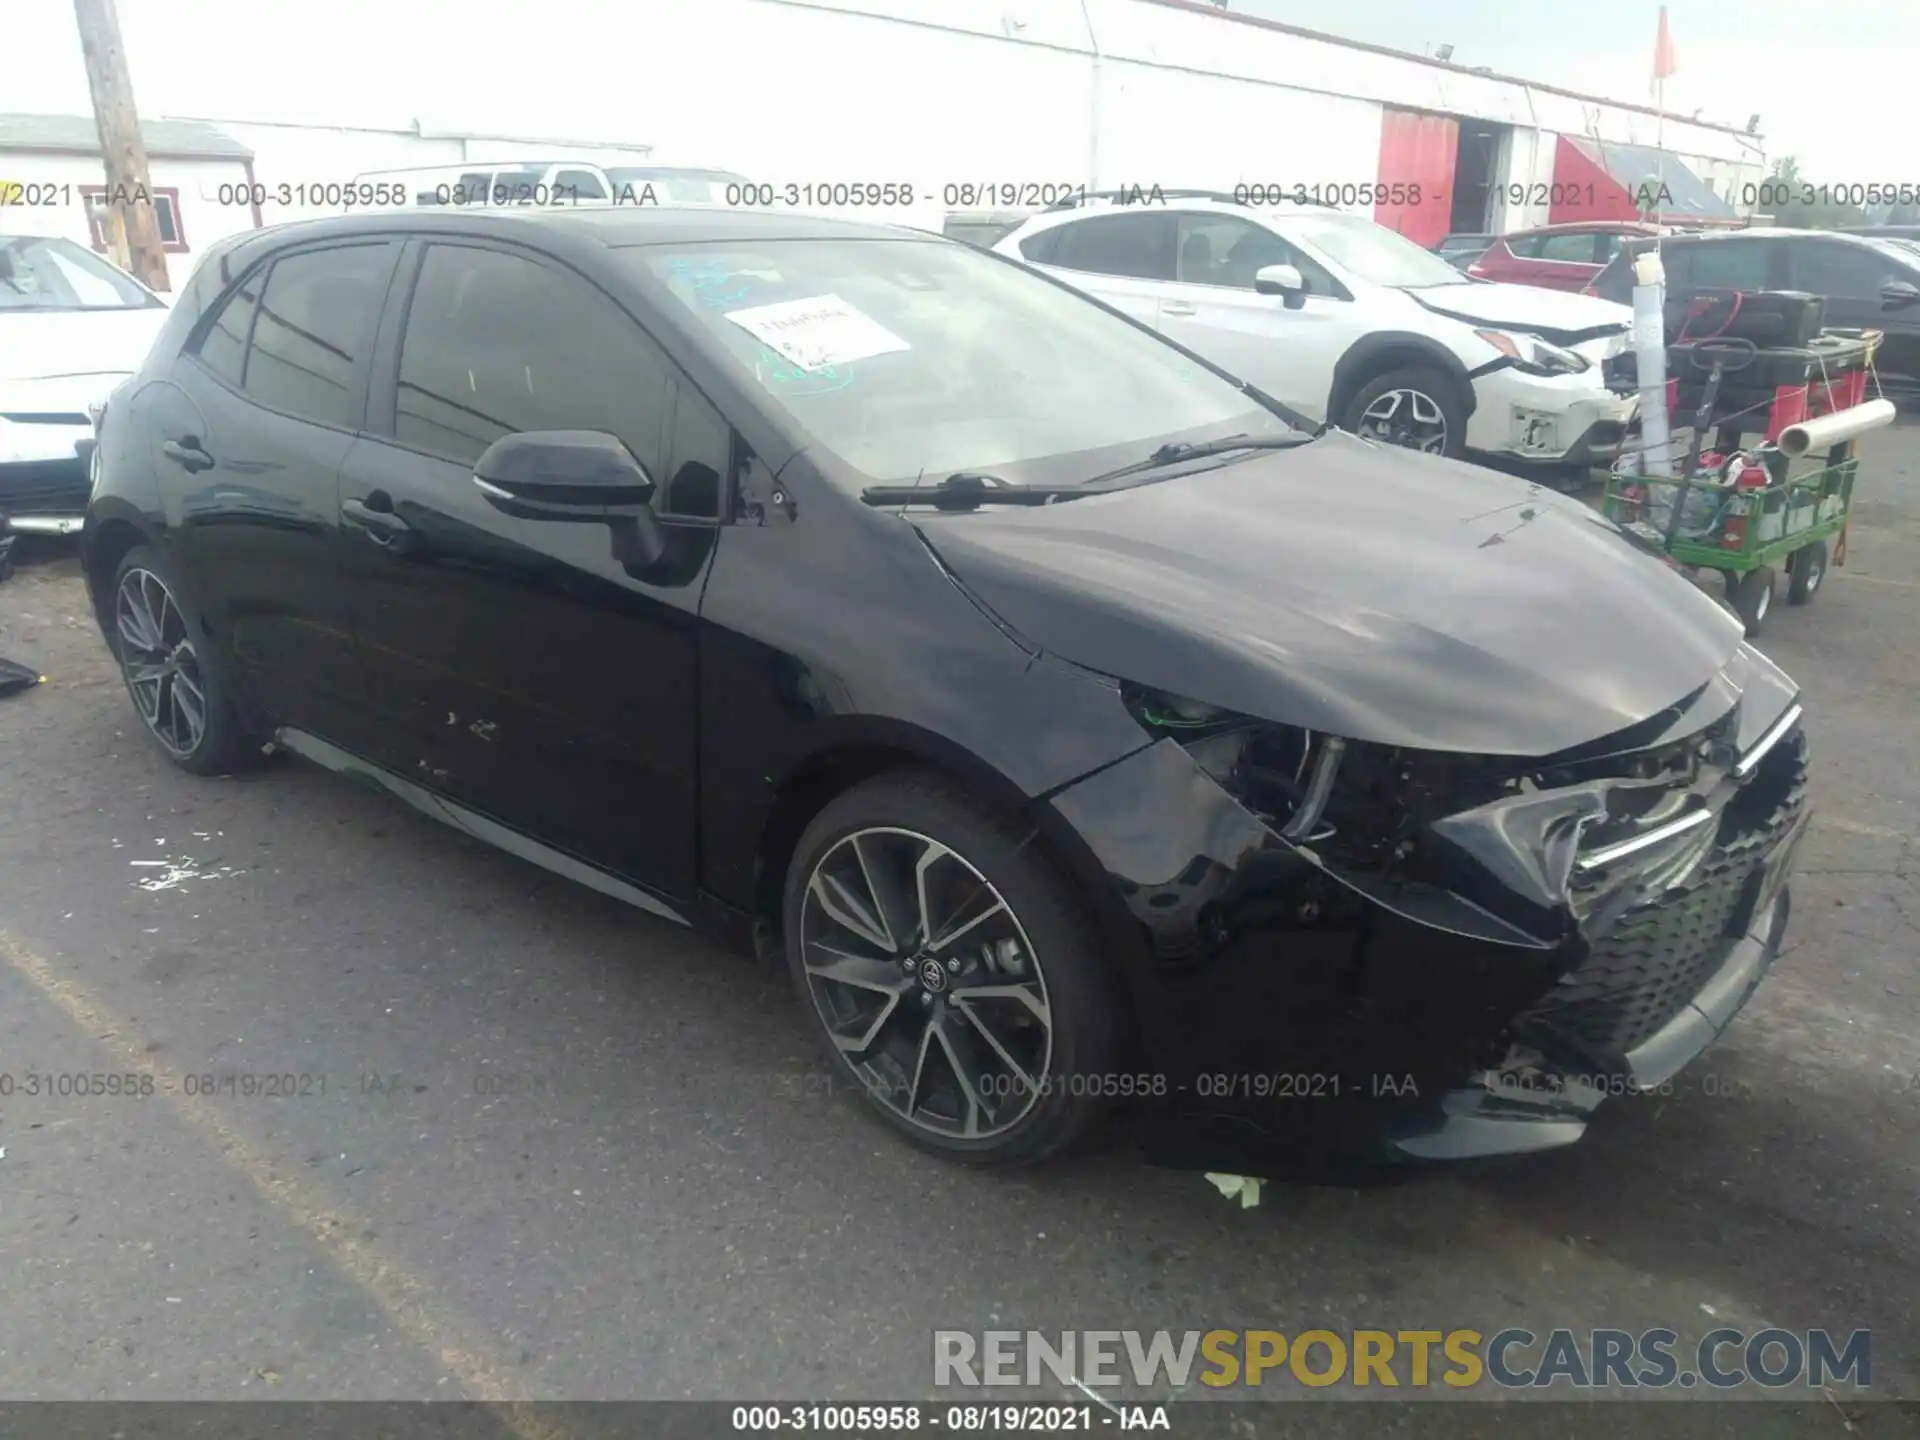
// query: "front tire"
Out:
[1417,409]
[949,972]
[173,677]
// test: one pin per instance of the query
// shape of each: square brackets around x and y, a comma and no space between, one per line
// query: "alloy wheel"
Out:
[1409,418]
[158,659]
[926,983]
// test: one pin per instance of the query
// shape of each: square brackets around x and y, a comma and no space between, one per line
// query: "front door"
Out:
[522,669]
[248,434]
[1212,308]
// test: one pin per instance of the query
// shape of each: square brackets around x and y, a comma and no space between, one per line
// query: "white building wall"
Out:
[203,217]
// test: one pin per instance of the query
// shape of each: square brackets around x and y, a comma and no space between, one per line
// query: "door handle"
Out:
[187,454]
[1177,307]
[377,519]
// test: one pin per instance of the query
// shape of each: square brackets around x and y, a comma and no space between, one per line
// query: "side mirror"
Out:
[562,475]
[1898,294]
[1282,280]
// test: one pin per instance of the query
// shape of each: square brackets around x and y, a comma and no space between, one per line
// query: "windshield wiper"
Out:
[1176,451]
[969,490]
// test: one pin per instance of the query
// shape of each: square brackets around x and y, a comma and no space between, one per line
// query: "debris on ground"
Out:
[1244,1186]
[15,677]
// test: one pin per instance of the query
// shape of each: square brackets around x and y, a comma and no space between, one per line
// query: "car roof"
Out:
[612,226]
[1617,227]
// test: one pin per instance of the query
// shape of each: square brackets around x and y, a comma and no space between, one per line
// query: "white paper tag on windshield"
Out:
[818,331]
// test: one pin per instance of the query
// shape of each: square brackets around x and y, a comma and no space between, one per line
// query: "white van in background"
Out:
[546,182]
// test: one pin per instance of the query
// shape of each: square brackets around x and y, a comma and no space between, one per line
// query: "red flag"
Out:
[1663,61]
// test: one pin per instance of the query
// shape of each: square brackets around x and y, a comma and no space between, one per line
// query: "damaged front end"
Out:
[1357,950]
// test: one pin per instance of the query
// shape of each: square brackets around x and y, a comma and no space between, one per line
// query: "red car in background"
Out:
[1558,257]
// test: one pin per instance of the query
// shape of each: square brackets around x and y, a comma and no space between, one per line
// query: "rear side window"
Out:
[1139,247]
[315,322]
[497,344]
[578,185]
[1577,249]
[292,338]
[1729,265]
[1040,248]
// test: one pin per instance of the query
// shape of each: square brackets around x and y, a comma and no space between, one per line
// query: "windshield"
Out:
[690,187]
[44,273]
[907,358]
[1372,252]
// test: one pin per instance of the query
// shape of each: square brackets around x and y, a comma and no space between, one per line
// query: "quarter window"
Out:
[223,349]
[497,344]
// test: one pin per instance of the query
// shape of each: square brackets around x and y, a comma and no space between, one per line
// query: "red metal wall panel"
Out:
[1418,149]
[1581,190]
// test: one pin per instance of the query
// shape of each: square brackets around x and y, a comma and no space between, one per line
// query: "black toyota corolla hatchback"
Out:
[1076,723]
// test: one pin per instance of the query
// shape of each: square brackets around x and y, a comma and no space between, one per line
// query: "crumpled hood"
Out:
[1553,315]
[1370,592]
[39,345]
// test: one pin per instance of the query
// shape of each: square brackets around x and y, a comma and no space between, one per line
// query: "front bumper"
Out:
[1549,420]
[1300,1016]
[48,496]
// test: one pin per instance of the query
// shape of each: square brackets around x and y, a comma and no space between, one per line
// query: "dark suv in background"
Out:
[1868,282]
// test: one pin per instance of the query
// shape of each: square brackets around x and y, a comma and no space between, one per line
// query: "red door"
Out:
[1417,153]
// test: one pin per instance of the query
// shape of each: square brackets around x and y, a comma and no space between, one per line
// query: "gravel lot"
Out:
[565,1151]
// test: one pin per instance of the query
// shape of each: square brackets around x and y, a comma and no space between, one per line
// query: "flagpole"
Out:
[1660,138]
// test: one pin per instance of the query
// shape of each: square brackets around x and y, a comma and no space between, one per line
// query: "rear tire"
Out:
[1752,597]
[992,1044]
[173,675]
[1417,408]
[1805,571]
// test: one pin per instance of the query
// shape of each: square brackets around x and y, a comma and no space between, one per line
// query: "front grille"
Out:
[44,487]
[1655,959]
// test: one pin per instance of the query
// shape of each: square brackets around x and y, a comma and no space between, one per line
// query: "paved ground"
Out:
[564,1151]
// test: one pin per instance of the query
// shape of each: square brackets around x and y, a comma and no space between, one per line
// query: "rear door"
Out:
[1212,307]
[248,435]
[1127,259]
[520,667]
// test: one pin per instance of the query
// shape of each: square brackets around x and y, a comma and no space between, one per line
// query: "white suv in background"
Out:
[1348,322]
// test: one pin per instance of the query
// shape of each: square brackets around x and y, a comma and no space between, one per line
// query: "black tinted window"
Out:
[1729,265]
[223,349]
[496,345]
[1039,248]
[1140,246]
[316,320]
[1833,267]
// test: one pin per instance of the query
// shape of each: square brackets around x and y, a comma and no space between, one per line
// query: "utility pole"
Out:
[133,229]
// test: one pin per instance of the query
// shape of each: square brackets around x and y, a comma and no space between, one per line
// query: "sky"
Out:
[1828,80]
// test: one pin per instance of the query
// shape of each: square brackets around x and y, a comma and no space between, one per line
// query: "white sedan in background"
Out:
[72,327]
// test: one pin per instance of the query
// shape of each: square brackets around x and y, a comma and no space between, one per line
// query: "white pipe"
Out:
[1650,355]
[1797,440]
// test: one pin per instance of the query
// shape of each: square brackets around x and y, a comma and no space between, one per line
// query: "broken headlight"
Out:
[1534,355]
[1364,804]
